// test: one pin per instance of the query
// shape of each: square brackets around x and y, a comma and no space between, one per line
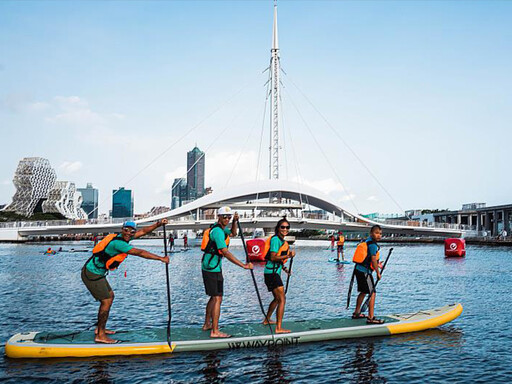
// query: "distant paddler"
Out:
[366,258]
[277,251]
[107,255]
[341,244]
[215,247]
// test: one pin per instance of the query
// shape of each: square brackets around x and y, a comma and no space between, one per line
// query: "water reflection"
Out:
[366,369]
[210,371]
[273,367]
[99,373]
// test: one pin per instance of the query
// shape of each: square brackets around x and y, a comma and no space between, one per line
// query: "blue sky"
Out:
[420,90]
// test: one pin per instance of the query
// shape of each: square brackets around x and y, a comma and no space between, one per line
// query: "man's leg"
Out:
[103,313]
[371,305]
[217,300]
[281,301]
[359,303]
[107,331]
[208,315]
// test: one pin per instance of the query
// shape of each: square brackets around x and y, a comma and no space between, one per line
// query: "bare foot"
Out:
[107,331]
[265,322]
[219,334]
[207,327]
[281,330]
[106,340]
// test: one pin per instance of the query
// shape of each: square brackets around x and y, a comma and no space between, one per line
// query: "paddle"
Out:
[289,274]
[254,278]
[169,317]
[365,305]
[350,286]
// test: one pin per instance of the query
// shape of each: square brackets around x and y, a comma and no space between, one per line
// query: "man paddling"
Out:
[107,255]
[341,244]
[215,248]
[366,258]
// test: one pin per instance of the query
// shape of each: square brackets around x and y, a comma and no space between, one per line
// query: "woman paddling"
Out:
[277,252]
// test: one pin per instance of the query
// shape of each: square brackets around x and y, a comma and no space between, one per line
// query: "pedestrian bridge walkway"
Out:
[260,205]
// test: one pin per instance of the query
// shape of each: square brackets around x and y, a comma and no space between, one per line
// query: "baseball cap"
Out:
[224,211]
[130,224]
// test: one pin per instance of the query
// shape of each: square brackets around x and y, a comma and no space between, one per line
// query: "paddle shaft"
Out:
[253,278]
[350,286]
[169,317]
[288,277]
[365,305]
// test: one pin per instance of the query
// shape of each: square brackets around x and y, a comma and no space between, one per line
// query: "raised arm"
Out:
[234,226]
[148,255]
[151,228]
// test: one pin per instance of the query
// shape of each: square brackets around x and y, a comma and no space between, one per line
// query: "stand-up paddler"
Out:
[366,258]
[277,252]
[107,255]
[215,247]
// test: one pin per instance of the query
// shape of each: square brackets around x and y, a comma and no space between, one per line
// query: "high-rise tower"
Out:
[195,173]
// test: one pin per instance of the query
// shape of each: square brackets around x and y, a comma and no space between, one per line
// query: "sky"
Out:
[386,105]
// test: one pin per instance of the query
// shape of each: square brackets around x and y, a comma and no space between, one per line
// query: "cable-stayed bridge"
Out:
[304,207]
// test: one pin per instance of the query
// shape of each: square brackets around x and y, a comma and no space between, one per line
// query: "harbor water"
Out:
[44,292]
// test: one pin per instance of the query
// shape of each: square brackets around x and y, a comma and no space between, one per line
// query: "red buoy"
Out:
[255,249]
[455,247]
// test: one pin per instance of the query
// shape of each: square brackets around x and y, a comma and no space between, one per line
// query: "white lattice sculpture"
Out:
[66,200]
[34,178]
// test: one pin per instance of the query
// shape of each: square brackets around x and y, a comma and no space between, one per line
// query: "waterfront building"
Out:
[179,193]
[195,173]
[63,198]
[477,216]
[90,200]
[33,179]
[122,203]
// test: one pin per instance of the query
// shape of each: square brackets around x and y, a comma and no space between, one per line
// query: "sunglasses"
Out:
[225,216]
[284,227]
[128,229]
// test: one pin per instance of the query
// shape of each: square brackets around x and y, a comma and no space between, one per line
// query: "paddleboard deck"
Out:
[153,341]
[335,260]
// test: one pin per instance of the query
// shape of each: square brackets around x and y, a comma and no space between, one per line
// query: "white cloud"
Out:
[327,186]
[75,111]
[231,168]
[69,167]
[6,182]
[372,198]
[169,177]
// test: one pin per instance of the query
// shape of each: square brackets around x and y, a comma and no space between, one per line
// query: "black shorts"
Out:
[213,283]
[273,281]
[365,282]
[340,247]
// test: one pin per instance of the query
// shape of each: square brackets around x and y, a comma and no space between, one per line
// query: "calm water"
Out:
[39,292]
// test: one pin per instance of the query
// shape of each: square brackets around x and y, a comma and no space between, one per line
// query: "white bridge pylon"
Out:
[305,208]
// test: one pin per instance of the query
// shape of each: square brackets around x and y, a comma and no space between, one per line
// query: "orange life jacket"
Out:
[208,246]
[361,254]
[341,240]
[98,253]
[282,251]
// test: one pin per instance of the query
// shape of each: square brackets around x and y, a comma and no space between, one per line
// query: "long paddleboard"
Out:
[335,260]
[153,341]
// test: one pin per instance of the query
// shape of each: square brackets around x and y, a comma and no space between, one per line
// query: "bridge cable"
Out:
[192,129]
[322,151]
[348,147]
